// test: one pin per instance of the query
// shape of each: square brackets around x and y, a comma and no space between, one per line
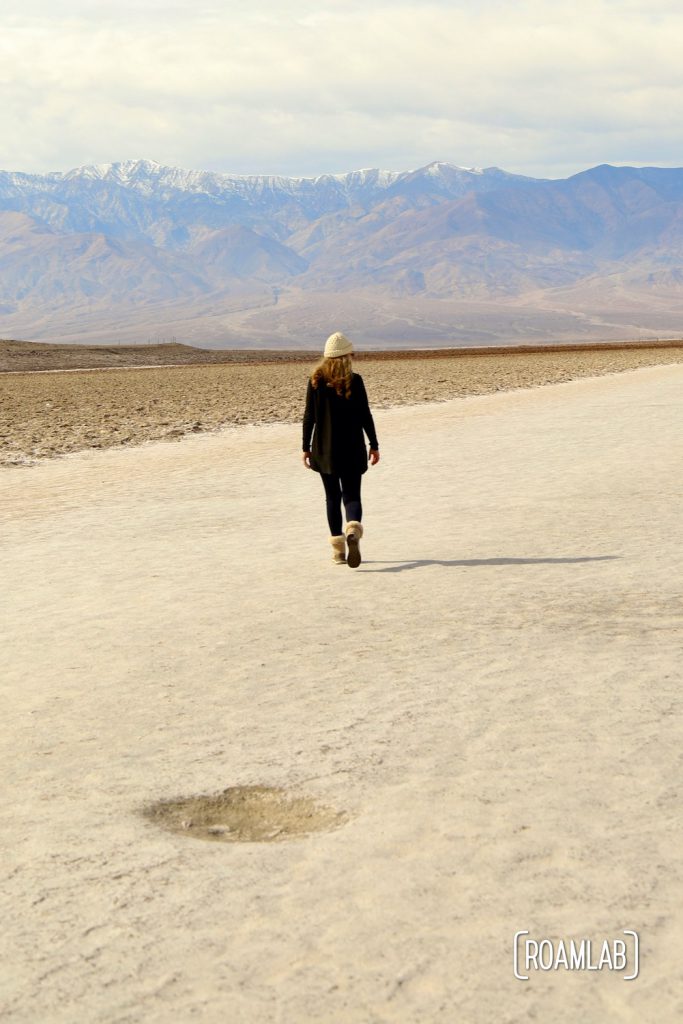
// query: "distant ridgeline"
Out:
[130,251]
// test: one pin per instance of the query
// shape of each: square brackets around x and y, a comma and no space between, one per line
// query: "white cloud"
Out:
[531,86]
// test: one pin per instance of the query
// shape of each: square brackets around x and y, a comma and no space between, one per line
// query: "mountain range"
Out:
[443,254]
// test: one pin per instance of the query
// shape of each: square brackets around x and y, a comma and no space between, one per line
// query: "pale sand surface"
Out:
[494,698]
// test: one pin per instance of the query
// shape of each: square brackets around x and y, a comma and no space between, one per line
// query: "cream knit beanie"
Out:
[337,345]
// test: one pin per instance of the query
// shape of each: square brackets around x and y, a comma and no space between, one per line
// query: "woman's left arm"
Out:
[368,422]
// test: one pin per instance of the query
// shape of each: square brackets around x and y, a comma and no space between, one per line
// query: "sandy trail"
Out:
[494,697]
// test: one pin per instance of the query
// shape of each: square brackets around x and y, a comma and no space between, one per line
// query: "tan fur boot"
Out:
[338,549]
[354,532]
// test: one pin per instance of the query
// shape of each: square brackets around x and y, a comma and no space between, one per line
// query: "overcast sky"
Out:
[301,88]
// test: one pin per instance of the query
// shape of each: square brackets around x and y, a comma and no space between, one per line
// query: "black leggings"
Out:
[338,489]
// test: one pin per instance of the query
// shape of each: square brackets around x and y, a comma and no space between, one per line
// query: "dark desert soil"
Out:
[136,396]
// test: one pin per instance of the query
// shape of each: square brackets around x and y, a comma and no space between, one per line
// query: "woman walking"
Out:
[336,414]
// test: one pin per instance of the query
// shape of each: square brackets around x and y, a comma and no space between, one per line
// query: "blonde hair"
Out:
[336,372]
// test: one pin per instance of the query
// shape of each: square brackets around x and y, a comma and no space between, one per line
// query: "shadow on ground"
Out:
[418,563]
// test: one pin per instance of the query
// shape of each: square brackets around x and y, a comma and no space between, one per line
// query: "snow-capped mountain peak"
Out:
[147,178]
[439,167]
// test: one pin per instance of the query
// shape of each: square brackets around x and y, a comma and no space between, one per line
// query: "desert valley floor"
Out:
[117,402]
[486,713]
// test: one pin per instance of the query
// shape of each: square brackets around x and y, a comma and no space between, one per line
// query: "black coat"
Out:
[336,425]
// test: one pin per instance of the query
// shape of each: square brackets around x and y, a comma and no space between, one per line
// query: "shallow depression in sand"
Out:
[245,814]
